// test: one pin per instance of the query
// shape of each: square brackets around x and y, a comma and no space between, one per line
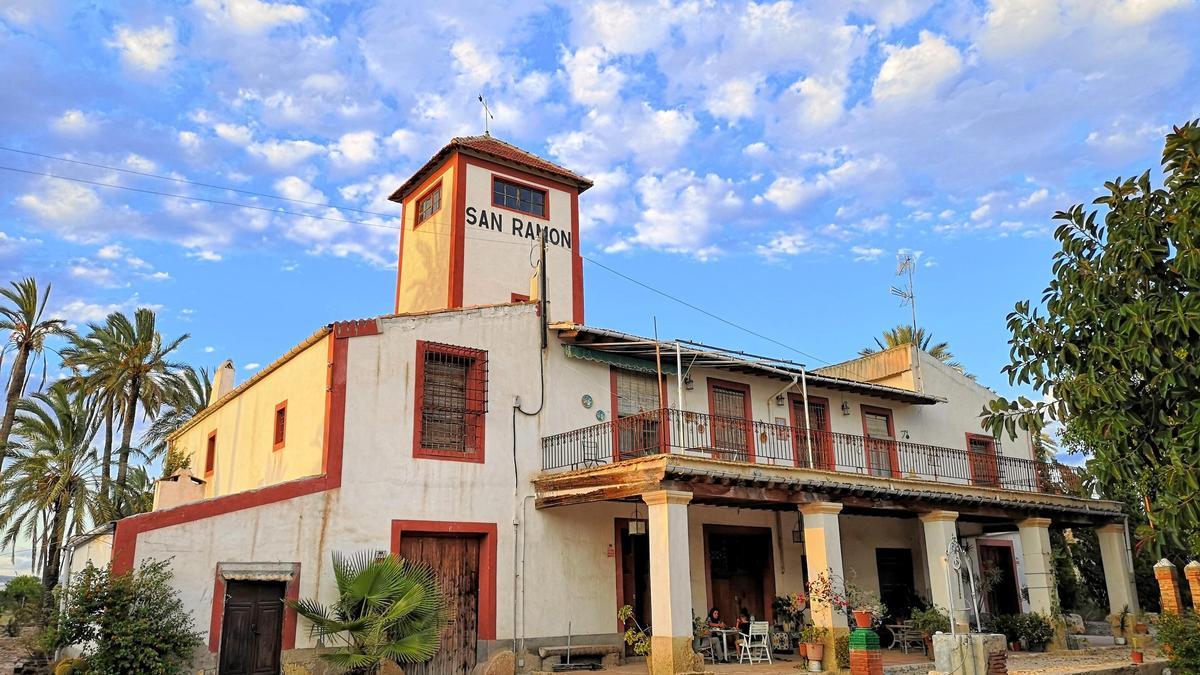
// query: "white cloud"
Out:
[74,123]
[252,366]
[78,312]
[1014,26]
[660,135]
[209,350]
[474,66]
[865,254]
[785,243]
[1036,197]
[629,28]
[188,140]
[149,49]
[357,147]
[981,212]
[139,163]
[756,149]
[286,153]
[251,15]
[680,211]
[593,81]
[61,202]
[297,188]
[206,255]
[817,103]
[734,99]
[100,276]
[234,133]
[916,72]
[790,192]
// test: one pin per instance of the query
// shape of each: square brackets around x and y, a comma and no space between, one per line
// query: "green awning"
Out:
[626,362]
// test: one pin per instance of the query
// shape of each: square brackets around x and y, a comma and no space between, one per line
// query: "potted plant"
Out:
[1137,656]
[929,621]
[1010,626]
[813,638]
[789,610]
[1037,631]
[1142,625]
[865,605]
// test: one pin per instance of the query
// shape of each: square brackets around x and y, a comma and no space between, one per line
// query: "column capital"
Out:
[666,497]
[814,508]
[939,517]
[1112,528]
[1034,522]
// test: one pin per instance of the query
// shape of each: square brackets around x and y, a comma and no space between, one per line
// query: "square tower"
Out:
[473,219]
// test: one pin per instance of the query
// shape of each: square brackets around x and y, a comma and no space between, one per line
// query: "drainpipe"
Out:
[807,423]
[678,377]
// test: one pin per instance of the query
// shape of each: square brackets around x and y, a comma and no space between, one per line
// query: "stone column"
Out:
[823,553]
[1168,586]
[670,583]
[1039,573]
[941,528]
[1192,572]
[1118,575]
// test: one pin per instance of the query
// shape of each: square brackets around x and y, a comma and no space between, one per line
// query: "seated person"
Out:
[714,622]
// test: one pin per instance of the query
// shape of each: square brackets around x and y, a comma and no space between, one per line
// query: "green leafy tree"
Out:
[132,356]
[186,394]
[1114,346]
[128,623]
[387,609]
[49,488]
[23,316]
[22,598]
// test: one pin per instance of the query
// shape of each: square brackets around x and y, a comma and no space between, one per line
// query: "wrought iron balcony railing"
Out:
[739,440]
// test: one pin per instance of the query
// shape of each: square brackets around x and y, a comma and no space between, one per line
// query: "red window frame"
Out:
[528,186]
[476,378]
[417,219]
[279,431]
[747,415]
[893,452]
[822,443]
[210,453]
[988,460]
[519,297]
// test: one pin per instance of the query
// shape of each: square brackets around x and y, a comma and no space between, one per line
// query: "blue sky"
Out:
[766,161]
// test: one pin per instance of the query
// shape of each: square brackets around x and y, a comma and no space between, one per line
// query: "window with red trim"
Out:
[451,401]
[210,454]
[429,204]
[523,198]
[280,427]
[519,297]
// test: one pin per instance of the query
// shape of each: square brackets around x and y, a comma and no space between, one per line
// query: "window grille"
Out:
[518,197]
[453,399]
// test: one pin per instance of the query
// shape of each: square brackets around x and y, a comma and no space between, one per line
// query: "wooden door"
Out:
[455,560]
[819,435]
[880,441]
[1003,597]
[633,570]
[729,403]
[896,581]
[981,453]
[252,631]
[741,572]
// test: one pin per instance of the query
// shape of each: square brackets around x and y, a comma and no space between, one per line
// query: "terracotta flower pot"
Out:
[803,650]
[862,619]
[1136,656]
[1141,628]
[1015,646]
[816,651]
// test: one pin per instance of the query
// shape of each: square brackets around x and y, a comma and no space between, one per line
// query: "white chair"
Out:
[756,645]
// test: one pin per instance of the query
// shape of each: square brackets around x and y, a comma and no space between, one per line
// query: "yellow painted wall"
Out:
[245,428]
[424,282]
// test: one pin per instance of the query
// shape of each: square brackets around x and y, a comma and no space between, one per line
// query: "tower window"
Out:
[210,454]
[451,399]
[280,428]
[523,198]
[429,204]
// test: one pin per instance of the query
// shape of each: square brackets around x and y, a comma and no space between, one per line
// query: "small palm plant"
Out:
[387,609]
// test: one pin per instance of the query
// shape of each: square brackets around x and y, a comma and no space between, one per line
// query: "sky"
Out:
[767,162]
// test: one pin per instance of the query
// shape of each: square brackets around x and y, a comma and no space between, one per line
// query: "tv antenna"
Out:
[906,264]
[487,115]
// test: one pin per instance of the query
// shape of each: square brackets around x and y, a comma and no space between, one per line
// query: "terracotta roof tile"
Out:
[498,149]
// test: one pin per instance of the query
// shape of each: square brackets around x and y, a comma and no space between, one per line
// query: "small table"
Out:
[724,633]
[896,629]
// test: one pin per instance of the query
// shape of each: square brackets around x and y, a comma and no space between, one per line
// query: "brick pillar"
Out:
[1168,586]
[1192,572]
[865,657]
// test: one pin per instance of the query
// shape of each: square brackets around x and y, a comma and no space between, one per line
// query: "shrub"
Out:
[1036,630]
[930,621]
[1008,624]
[842,651]
[635,636]
[1179,635]
[131,623]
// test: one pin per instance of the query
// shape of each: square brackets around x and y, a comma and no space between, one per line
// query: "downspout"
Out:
[518,502]
[678,377]
[807,423]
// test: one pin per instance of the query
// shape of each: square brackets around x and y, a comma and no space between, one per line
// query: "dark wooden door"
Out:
[818,436]
[982,454]
[741,573]
[455,560]
[252,632]
[635,573]
[896,582]
[1001,598]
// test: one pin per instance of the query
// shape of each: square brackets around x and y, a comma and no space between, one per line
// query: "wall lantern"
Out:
[688,383]
[780,400]
[845,408]
[798,533]
[637,525]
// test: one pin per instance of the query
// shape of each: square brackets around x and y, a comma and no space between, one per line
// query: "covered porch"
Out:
[704,533]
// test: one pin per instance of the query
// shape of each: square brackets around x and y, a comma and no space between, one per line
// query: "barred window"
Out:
[429,204]
[452,400]
[518,197]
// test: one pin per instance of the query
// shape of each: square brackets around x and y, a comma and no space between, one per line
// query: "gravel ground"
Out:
[1077,661]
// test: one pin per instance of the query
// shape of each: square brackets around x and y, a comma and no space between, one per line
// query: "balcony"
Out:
[743,441]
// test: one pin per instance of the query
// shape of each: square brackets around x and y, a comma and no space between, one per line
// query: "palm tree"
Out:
[137,496]
[49,488]
[132,357]
[24,317]
[187,393]
[903,335]
[387,609]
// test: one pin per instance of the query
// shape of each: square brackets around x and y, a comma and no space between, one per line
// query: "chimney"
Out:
[222,381]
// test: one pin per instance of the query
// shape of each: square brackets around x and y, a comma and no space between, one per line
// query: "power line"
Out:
[266,209]
[186,181]
[703,311]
